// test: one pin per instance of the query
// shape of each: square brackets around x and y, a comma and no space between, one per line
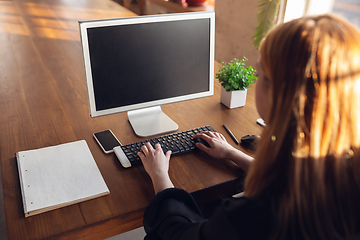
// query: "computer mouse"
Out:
[249,141]
[200,140]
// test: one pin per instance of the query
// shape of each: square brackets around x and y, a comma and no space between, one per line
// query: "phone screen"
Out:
[107,140]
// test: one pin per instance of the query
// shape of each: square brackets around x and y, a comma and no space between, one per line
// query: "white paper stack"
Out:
[58,176]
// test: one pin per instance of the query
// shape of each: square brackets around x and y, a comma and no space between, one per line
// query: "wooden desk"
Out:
[163,6]
[44,102]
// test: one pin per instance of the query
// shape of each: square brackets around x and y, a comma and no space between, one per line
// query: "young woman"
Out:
[305,180]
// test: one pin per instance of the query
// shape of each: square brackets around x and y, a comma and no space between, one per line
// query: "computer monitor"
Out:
[137,64]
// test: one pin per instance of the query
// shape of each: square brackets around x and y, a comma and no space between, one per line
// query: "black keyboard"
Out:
[178,143]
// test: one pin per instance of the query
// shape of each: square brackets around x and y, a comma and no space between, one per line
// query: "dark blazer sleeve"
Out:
[174,215]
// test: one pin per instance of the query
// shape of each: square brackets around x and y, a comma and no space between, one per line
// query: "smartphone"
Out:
[107,140]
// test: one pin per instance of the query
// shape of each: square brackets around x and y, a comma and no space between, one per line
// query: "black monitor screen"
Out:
[144,62]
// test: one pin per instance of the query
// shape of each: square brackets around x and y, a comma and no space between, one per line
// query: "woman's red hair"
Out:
[309,150]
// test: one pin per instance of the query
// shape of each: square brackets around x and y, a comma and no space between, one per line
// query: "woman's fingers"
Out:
[147,149]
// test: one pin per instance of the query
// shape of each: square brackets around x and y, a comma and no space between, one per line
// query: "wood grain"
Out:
[43,102]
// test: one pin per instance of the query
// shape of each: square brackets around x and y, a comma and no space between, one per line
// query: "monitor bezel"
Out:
[84,25]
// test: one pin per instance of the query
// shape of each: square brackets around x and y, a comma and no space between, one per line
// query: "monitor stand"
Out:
[151,121]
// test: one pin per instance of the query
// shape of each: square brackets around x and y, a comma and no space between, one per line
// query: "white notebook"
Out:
[58,176]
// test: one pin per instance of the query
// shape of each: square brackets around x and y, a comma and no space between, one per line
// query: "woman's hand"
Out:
[156,164]
[220,148]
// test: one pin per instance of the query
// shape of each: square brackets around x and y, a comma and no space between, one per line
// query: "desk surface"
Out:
[173,7]
[43,102]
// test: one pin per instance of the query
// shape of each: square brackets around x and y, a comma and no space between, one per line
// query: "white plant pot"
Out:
[233,99]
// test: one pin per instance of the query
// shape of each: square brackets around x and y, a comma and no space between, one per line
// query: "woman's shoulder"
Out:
[244,207]
[250,218]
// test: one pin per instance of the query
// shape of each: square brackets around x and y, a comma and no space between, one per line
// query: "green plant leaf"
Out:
[235,76]
[267,15]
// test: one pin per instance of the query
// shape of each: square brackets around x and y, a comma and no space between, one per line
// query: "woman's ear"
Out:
[263,91]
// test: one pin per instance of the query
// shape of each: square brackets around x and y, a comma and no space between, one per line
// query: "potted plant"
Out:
[235,79]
